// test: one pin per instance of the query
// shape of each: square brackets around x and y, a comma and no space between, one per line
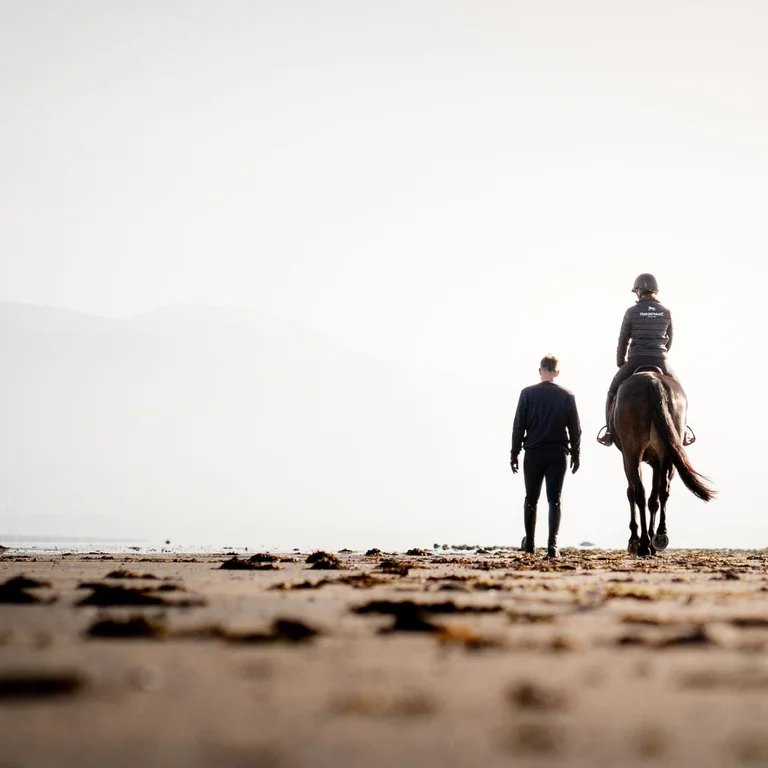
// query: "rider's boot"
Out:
[529,517]
[604,436]
[555,513]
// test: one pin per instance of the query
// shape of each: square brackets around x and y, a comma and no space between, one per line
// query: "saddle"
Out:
[648,369]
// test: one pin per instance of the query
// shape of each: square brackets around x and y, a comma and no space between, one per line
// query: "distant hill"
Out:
[217,423]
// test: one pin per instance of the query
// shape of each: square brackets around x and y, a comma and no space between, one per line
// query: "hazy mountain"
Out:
[226,425]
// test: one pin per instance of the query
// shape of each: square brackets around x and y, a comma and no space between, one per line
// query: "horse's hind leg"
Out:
[644,550]
[653,502]
[634,539]
[661,540]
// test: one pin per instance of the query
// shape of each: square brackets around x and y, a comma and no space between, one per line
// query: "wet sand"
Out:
[441,659]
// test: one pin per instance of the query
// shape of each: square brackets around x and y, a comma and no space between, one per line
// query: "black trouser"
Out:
[540,465]
[627,370]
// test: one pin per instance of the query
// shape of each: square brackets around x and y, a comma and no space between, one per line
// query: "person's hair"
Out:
[549,363]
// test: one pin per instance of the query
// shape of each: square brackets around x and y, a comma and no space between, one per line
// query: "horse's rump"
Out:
[649,421]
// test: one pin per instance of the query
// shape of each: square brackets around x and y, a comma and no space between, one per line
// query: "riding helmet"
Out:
[646,283]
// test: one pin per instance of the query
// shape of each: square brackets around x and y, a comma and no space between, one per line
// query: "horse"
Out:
[647,422]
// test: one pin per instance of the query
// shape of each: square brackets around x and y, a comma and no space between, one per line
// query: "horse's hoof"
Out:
[632,547]
[523,543]
[660,541]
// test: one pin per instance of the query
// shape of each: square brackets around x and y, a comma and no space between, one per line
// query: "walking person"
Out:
[547,425]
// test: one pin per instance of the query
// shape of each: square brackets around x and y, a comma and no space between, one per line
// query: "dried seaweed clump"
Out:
[282,630]
[131,627]
[395,607]
[138,627]
[263,557]
[411,617]
[356,580]
[324,561]
[416,552]
[528,695]
[123,573]
[43,684]
[106,596]
[237,564]
[24,582]
[284,585]
[692,635]
[360,580]
[394,567]
[14,591]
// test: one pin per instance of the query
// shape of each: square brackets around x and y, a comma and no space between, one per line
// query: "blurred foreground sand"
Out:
[599,659]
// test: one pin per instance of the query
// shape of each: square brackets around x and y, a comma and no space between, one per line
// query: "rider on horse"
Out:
[648,324]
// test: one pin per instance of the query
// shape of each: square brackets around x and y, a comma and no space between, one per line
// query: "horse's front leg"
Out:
[631,472]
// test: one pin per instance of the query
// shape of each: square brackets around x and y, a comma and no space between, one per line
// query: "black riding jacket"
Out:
[649,325]
[544,412]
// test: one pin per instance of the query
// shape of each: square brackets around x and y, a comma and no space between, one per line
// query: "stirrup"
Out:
[688,437]
[604,437]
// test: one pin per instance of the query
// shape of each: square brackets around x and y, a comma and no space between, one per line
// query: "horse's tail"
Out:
[662,419]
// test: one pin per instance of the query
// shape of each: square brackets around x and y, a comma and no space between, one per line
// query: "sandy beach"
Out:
[423,659]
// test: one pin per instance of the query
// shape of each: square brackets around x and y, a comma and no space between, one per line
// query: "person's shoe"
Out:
[604,437]
[689,437]
[529,516]
[525,547]
[555,514]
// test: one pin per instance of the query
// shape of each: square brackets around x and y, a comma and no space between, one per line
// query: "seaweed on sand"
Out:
[411,616]
[14,591]
[324,561]
[24,582]
[394,567]
[34,685]
[282,630]
[237,564]
[141,627]
[131,627]
[395,607]
[106,595]
[124,573]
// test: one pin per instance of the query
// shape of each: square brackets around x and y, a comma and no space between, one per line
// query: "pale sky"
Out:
[462,186]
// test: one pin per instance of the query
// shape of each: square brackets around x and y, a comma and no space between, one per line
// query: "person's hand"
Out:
[513,463]
[575,464]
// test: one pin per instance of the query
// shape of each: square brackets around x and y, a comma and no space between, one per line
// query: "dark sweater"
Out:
[547,419]
[649,325]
